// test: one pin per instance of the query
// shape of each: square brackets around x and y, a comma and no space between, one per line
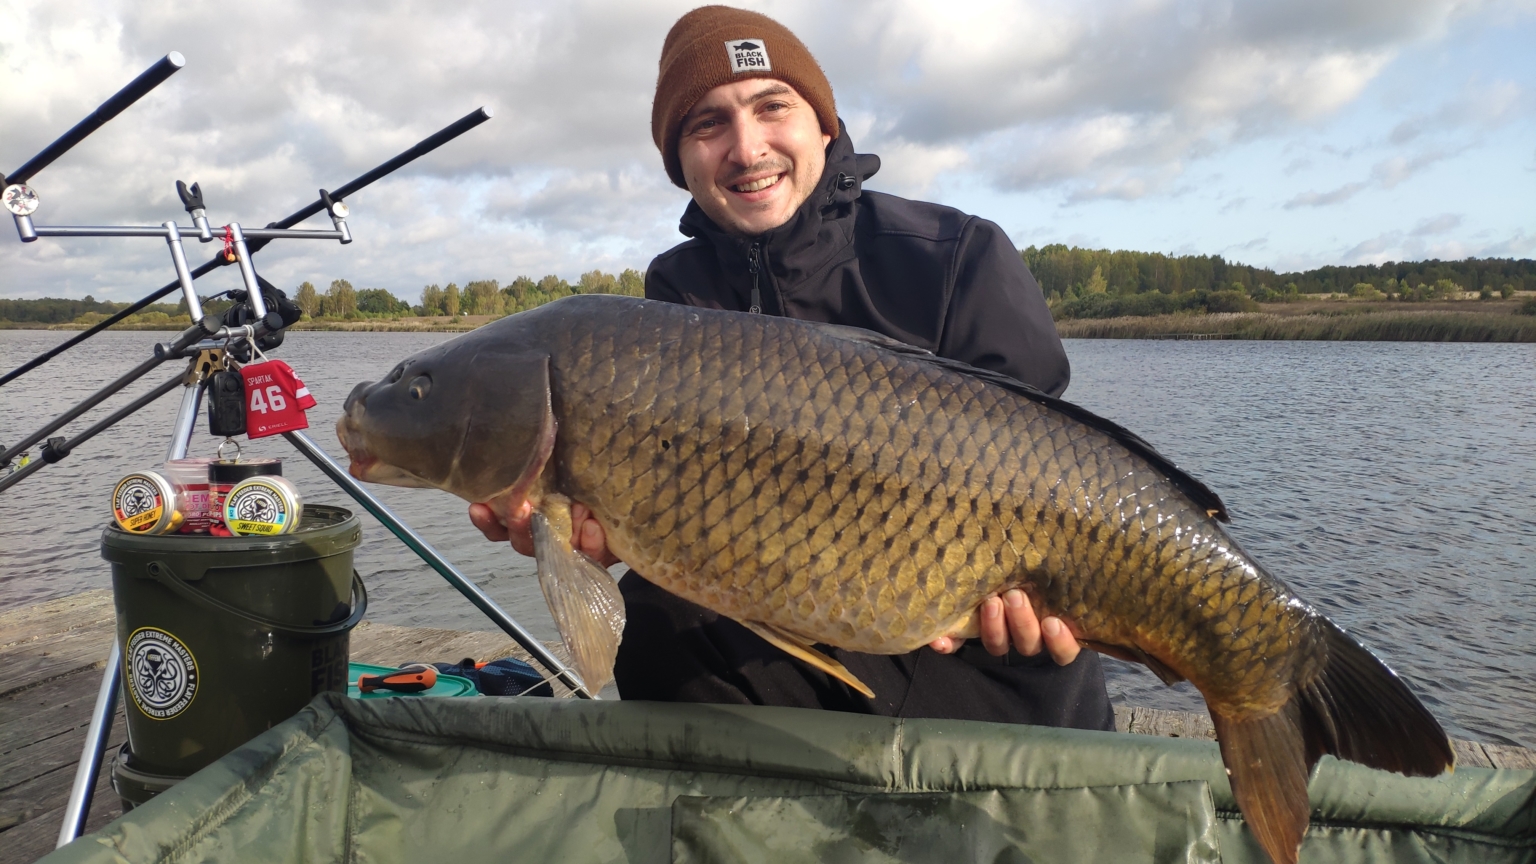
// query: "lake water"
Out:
[1392,484]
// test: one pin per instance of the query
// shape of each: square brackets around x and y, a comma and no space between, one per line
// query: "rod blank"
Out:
[148,80]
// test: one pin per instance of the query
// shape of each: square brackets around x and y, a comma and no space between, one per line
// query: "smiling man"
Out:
[780,224]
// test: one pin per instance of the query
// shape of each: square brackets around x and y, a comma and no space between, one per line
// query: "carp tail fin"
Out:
[1357,708]
[802,650]
[583,599]
[1353,707]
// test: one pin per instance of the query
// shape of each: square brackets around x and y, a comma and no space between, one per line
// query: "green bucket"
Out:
[224,637]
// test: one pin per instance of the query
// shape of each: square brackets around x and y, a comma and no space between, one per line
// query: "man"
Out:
[780,225]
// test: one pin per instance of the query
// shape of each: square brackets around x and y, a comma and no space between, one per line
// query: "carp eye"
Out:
[421,385]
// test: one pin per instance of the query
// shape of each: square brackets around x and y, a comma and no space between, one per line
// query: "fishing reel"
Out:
[281,312]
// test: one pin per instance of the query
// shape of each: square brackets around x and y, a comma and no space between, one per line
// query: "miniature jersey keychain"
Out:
[275,398]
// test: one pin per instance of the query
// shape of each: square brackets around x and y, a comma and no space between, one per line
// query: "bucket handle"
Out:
[167,577]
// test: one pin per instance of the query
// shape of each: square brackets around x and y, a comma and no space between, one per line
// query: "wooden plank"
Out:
[24,764]
[1470,754]
[36,836]
[1172,724]
[48,709]
[1123,714]
[86,609]
[44,658]
[1506,756]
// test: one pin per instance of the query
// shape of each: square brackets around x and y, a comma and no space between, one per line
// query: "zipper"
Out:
[754,256]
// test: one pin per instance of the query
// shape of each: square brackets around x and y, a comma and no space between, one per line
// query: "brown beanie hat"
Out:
[714,45]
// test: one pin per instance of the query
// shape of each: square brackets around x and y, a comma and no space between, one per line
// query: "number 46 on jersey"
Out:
[276,399]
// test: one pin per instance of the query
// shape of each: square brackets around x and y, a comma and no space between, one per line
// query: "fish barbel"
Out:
[822,484]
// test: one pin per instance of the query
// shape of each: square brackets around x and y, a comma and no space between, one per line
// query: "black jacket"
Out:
[928,275]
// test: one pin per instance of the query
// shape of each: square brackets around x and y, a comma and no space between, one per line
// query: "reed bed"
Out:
[1404,326]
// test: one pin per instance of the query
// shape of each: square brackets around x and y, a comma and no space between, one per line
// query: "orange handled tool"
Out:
[407,679]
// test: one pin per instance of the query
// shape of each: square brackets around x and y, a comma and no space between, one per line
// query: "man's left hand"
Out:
[1010,619]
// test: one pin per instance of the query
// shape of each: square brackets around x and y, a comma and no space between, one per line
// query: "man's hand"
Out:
[586,533]
[1011,618]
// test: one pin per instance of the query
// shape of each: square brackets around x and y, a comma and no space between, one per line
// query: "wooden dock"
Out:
[53,654]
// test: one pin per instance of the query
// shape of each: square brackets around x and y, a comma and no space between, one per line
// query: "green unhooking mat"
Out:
[467,780]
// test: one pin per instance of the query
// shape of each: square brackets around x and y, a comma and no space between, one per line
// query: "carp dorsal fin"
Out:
[1198,492]
[583,598]
[802,650]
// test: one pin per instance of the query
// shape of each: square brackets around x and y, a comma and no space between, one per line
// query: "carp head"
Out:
[472,419]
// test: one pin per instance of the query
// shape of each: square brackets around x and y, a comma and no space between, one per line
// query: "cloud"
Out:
[1436,225]
[1414,245]
[1323,199]
[1385,174]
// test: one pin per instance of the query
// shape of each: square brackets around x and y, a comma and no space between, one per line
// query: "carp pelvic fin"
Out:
[800,649]
[583,598]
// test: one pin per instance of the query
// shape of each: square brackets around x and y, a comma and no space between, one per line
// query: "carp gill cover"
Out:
[823,484]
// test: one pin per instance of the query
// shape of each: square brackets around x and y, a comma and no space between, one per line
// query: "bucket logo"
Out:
[747,55]
[162,673]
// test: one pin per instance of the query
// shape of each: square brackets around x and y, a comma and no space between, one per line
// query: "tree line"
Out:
[1101,283]
[1065,272]
[1078,282]
[479,297]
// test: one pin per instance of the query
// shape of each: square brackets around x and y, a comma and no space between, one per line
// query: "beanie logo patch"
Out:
[747,55]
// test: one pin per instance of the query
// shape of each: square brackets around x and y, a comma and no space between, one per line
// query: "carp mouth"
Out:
[369,468]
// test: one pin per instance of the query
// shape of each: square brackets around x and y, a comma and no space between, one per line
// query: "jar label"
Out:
[258,507]
[138,504]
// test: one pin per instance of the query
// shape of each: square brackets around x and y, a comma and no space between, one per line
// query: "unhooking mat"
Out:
[455,781]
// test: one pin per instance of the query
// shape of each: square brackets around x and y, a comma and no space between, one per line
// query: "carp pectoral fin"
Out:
[800,649]
[1136,655]
[583,599]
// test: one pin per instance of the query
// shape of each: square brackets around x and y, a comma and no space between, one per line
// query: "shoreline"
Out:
[1308,320]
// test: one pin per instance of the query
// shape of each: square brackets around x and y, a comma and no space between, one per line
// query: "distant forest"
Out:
[1079,283]
[1100,283]
[1065,271]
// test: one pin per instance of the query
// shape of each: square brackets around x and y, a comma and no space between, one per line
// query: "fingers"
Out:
[994,630]
[484,518]
[1023,626]
[945,645]
[520,528]
[1029,634]
[1059,641]
[587,536]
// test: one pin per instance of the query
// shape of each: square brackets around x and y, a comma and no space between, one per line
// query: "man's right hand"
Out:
[586,532]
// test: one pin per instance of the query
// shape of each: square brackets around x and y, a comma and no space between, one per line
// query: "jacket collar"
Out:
[819,230]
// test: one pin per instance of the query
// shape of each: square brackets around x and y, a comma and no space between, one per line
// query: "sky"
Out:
[1290,134]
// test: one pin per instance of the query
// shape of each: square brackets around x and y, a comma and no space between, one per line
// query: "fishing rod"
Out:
[421,148]
[58,448]
[148,80]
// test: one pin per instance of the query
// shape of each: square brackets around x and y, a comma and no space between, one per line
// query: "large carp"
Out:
[821,484]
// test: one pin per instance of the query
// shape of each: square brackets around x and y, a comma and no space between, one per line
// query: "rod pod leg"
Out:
[78,809]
